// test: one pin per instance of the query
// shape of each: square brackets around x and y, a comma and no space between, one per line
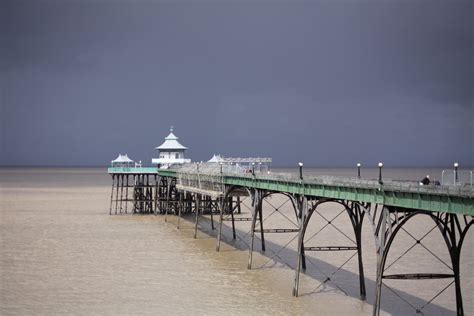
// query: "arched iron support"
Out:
[232,208]
[452,230]
[356,216]
[258,212]
[386,230]
[223,205]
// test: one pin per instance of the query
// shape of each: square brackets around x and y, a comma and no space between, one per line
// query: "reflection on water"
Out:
[62,253]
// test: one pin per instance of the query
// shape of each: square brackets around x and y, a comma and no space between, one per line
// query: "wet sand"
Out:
[61,253]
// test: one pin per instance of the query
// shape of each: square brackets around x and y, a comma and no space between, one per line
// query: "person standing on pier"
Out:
[426,180]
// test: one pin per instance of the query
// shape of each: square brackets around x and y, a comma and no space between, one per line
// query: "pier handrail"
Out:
[132,170]
[212,173]
[462,189]
[409,194]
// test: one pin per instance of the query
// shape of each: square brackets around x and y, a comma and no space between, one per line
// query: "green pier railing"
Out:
[133,170]
[457,199]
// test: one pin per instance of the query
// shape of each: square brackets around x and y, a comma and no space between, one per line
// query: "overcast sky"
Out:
[330,83]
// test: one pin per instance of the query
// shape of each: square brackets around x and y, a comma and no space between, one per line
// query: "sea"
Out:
[62,253]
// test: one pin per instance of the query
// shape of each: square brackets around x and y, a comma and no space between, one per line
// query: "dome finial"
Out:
[171,128]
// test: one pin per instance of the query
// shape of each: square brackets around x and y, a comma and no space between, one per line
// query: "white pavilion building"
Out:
[171,152]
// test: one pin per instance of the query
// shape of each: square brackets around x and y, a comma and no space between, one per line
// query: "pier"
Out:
[217,189]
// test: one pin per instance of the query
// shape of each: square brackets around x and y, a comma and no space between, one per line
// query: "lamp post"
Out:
[221,166]
[358,170]
[380,172]
[456,178]
[253,168]
[301,170]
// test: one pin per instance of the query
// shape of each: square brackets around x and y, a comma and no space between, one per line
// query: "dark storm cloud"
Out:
[329,83]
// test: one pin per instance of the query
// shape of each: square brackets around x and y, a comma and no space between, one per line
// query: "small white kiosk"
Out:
[122,161]
[216,159]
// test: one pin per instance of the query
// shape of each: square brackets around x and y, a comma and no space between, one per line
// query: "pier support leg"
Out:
[262,234]
[112,194]
[302,204]
[121,192]
[149,196]
[221,214]
[167,199]
[239,208]
[357,218]
[134,202]
[303,256]
[126,196]
[180,207]
[457,285]
[117,194]
[380,254]
[212,217]
[156,196]
[255,204]
[198,202]
[231,208]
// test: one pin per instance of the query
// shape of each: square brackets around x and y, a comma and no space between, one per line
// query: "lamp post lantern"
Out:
[456,178]
[380,172]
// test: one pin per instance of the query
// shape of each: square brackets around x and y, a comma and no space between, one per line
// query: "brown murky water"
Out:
[61,253]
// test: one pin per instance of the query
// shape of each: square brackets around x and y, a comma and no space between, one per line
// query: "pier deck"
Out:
[389,204]
[457,199]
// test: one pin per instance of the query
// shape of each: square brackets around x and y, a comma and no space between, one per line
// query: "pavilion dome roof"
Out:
[122,158]
[216,158]
[171,142]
